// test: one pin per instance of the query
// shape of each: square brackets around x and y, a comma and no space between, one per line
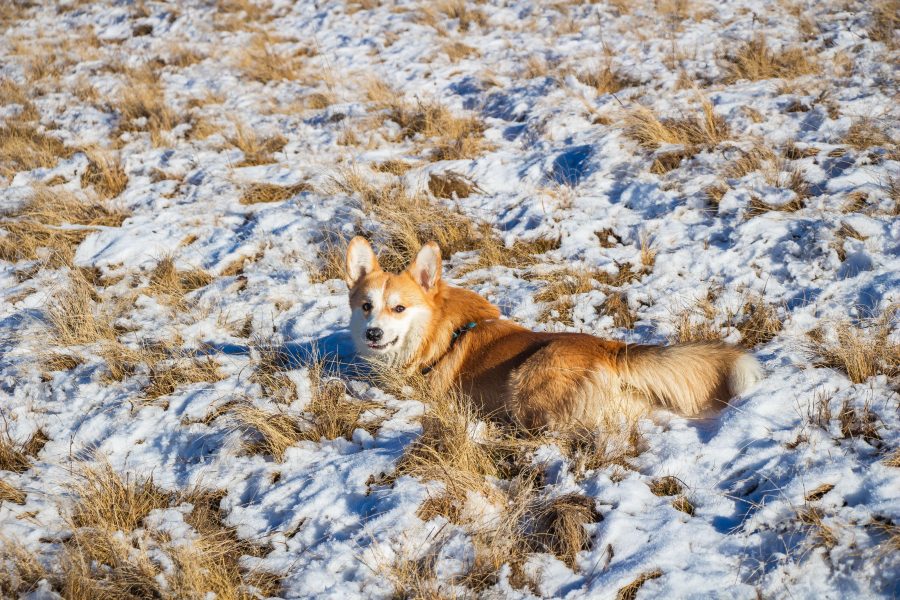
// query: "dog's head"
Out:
[391,312]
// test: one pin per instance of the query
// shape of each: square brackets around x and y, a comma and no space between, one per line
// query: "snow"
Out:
[553,172]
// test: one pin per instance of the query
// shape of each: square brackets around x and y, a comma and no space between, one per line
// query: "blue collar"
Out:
[457,333]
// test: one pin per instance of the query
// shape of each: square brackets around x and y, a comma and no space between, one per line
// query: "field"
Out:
[182,412]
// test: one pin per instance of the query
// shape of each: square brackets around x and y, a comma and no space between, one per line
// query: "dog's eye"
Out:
[367,306]
[399,308]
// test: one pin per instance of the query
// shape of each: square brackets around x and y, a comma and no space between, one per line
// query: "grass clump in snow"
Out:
[630,591]
[113,553]
[256,193]
[8,493]
[755,60]
[24,147]
[257,149]
[861,351]
[104,173]
[697,131]
[260,61]
[38,228]
[171,284]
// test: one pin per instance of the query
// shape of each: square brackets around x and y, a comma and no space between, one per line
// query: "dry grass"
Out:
[862,351]
[107,556]
[165,376]
[409,220]
[12,456]
[757,206]
[23,147]
[884,22]
[616,306]
[755,60]
[695,133]
[749,161]
[257,150]
[329,263]
[258,60]
[447,136]
[446,451]
[22,570]
[104,173]
[331,412]
[606,79]
[862,424]
[666,486]
[269,432]
[451,185]
[867,132]
[108,502]
[270,361]
[256,193]
[559,287]
[693,325]
[819,492]
[556,525]
[171,284]
[813,518]
[893,460]
[75,318]
[41,228]
[630,591]
[612,446]
[142,107]
[761,323]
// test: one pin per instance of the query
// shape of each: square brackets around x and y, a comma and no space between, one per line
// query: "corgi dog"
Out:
[537,380]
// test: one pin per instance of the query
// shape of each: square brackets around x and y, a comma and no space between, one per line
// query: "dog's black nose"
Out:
[374,334]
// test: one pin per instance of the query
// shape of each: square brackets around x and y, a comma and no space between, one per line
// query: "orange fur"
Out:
[542,380]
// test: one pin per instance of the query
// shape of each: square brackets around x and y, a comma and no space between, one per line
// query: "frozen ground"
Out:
[556,160]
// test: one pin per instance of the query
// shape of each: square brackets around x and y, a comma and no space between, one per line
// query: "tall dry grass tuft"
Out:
[606,79]
[111,552]
[761,322]
[268,432]
[557,525]
[694,133]
[24,147]
[104,173]
[409,220]
[12,456]
[332,413]
[270,361]
[260,61]
[884,22]
[22,570]
[755,60]
[8,493]
[862,351]
[171,284]
[74,316]
[41,228]
[447,136]
[108,502]
[142,107]
[867,132]
[257,149]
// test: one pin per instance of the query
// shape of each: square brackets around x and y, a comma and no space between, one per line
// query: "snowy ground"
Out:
[556,161]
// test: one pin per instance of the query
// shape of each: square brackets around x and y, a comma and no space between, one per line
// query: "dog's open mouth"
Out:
[384,345]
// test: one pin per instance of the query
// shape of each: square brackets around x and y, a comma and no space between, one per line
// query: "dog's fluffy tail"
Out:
[688,378]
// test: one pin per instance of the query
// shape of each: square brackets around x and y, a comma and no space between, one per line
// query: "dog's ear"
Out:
[426,269]
[361,260]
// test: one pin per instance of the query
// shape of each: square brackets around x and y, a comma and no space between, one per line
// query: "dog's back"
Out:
[551,379]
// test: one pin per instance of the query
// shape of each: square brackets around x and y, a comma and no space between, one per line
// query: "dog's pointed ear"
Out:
[361,260]
[426,269]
